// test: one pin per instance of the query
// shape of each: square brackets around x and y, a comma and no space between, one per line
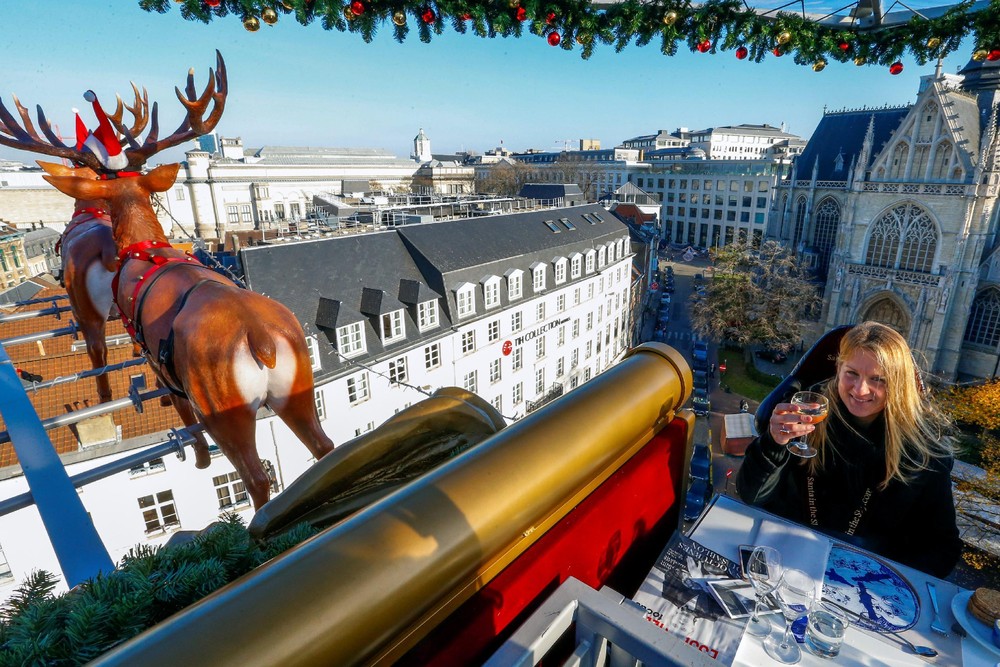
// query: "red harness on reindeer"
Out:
[92,215]
[160,265]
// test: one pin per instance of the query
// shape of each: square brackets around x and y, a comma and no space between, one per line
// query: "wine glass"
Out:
[816,406]
[764,572]
[795,594]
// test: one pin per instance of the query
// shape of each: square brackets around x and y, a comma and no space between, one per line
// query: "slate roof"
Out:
[328,282]
[550,191]
[843,133]
[964,112]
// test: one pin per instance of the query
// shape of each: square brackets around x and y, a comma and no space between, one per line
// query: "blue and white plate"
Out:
[882,599]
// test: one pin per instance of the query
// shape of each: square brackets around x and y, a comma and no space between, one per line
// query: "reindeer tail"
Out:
[262,344]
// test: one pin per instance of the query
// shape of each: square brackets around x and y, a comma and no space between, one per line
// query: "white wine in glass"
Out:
[816,406]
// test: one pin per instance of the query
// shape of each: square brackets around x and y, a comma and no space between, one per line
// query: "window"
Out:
[540,347]
[154,465]
[574,359]
[576,297]
[494,371]
[561,303]
[540,381]
[590,321]
[233,214]
[230,490]
[357,388]
[392,326]
[351,339]
[491,292]
[466,300]
[518,393]
[602,256]
[538,278]
[279,211]
[470,381]
[561,336]
[246,214]
[369,427]
[432,356]
[320,404]
[984,319]
[515,285]
[560,367]
[590,261]
[313,345]
[552,226]
[576,328]
[498,404]
[586,374]
[397,370]
[539,312]
[158,511]
[5,572]
[516,322]
[493,331]
[468,342]
[560,271]
[903,238]
[517,358]
[589,350]
[574,266]
[427,314]
[293,209]
[179,194]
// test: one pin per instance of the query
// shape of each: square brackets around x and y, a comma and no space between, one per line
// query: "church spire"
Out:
[866,150]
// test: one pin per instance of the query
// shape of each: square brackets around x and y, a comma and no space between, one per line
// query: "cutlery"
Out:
[936,625]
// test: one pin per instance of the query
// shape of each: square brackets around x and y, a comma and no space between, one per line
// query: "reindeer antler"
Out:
[24,136]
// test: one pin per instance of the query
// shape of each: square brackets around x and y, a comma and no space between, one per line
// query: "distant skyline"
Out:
[294,85]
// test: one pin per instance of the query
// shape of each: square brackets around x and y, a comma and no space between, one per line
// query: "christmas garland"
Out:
[717,25]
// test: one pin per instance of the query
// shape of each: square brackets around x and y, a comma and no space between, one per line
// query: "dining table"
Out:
[726,524]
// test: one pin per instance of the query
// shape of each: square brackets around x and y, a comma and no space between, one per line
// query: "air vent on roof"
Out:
[567,224]
[551,225]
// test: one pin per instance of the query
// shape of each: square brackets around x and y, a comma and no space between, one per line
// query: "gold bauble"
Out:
[860,60]
[784,38]
[513,4]
[399,18]
[348,14]
[819,65]
[251,24]
[933,42]
[269,16]
[980,55]
[670,18]
[583,39]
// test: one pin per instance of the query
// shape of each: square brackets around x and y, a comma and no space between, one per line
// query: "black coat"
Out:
[912,523]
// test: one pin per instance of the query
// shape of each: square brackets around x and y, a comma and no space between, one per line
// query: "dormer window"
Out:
[491,291]
[538,277]
[590,261]
[560,270]
[314,361]
[392,326]
[602,257]
[515,284]
[351,339]
[427,314]
[465,298]
[575,265]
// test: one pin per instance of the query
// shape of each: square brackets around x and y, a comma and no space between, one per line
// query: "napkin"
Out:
[800,547]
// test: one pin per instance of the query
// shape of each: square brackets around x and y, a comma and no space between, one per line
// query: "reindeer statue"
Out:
[223,351]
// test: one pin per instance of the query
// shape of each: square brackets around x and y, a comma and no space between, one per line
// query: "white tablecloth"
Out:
[728,523]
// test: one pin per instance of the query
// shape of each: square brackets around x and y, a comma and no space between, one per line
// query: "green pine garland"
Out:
[39,628]
[725,24]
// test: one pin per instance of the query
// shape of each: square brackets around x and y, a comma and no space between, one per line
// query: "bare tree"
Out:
[758,297]
[505,178]
[575,170]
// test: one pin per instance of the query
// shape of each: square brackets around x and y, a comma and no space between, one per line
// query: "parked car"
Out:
[665,299]
[669,288]
[698,277]
[701,462]
[694,502]
[700,379]
[700,402]
[701,350]
[774,356]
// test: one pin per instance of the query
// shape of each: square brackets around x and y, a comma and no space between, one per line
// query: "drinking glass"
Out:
[825,629]
[795,595]
[764,572]
[816,406]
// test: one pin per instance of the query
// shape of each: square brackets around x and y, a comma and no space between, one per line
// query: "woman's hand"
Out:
[787,424]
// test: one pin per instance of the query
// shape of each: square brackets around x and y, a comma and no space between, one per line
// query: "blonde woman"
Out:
[882,478]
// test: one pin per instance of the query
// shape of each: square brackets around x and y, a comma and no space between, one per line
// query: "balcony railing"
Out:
[554,392]
[897,275]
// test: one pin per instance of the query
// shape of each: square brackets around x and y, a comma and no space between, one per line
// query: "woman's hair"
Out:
[916,431]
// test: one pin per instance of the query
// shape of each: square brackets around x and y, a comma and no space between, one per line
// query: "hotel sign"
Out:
[548,326]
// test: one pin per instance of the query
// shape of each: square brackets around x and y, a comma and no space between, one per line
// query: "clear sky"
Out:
[297,85]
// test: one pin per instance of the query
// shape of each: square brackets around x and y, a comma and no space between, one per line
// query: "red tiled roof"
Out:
[54,358]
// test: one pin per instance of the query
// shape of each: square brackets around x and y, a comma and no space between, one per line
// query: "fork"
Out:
[937,626]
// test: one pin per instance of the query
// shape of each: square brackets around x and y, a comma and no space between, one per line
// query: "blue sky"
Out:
[299,85]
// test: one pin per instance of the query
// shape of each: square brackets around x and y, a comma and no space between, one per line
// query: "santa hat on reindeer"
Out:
[102,142]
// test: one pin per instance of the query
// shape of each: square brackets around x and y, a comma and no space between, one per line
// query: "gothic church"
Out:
[895,208]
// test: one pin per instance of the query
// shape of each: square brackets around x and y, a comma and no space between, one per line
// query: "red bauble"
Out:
[357,8]
[521,13]
[993,55]
[550,18]
[844,46]
[777,52]
[428,15]
[554,38]
[895,68]
[742,52]
[704,46]
[213,3]
[467,16]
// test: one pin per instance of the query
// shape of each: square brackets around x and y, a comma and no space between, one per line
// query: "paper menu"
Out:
[800,547]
